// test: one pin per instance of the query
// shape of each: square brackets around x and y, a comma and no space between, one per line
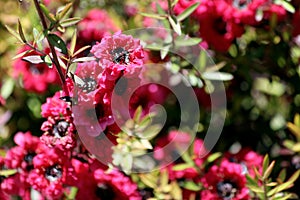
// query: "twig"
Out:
[52,49]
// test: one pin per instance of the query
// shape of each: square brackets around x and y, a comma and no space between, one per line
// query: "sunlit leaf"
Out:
[69,22]
[153,15]
[187,12]
[190,185]
[7,88]
[61,13]
[217,76]
[33,59]
[8,172]
[84,59]
[187,41]
[294,129]
[73,42]
[14,33]
[175,25]
[47,13]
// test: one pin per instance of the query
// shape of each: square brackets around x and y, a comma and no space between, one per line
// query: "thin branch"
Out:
[55,58]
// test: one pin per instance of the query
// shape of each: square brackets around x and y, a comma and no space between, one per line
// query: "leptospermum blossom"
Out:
[59,129]
[52,171]
[35,77]
[225,182]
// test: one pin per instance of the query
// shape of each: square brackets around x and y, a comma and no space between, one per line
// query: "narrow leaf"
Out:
[57,42]
[70,21]
[33,59]
[155,16]
[84,59]
[63,11]
[8,172]
[81,50]
[187,12]
[280,188]
[175,25]
[21,32]
[190,185]
[268,171]
[73,42]
[21,54]
[294,129]
[187,42]
[217,76]
[14,33]
[47,13]
[294,177]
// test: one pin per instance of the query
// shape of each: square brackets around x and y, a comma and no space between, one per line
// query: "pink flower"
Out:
[35,77]
[225,182]
[22,155]
[114,185]
[59,129]
[95,25]
[121,53]
[51,172]
[247,158]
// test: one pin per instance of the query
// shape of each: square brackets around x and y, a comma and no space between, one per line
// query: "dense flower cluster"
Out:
[56,164]
[222,21]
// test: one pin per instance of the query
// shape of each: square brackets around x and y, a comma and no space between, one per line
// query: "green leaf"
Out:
[21,32]
[69,22]
[281,176]
[137,114]
[182,166]
[61,12]
[47,13]
[266,163]
[146,143]
[57,42]
[250,180]
[280,188]
[187,12]
[186,41]
[73,42]
[294,177]
[149,180]
[175,25]
[8,172]
[48,61]
[160,10]
[81,50]
[7,88]
[294,129]
[164,51]
[153,15]
[21,54]
[217,76]
[213,157]
[84,59]
[176,191]
[268,171]
[73,193]
[289,7]
[14,33]
[255,189]
[190,185]
[33,59]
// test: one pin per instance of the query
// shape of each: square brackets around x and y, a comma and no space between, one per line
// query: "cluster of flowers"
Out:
[222,21]
[58,161]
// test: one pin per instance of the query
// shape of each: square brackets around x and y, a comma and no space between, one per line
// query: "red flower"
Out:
[51,172]
[21,156]
[35,77]
[59,129]
[94,26]
[247,158]
[120,53]
[225,182]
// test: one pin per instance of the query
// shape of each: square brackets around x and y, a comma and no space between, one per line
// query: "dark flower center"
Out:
[220,26]
[226,190]
[103,191]
[35,70]
[53,173]
[241,4]
[60,129]
[89,85]
[28,158]
[120,56]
